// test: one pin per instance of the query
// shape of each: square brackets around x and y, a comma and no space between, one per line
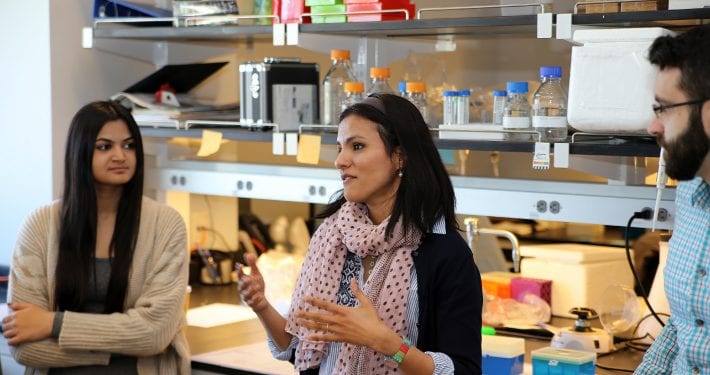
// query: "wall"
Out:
[47,76]
[26,153]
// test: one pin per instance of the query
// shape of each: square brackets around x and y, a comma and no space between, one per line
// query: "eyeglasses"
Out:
[659,109]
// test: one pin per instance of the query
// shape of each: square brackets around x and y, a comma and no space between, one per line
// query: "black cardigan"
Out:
[450,301]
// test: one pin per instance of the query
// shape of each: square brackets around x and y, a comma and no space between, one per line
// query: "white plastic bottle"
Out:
[516,115]
[416,93]
[499,98]
[353,94]
[450,99]
[333,92]
[550,106]
[379,81]
[462,110]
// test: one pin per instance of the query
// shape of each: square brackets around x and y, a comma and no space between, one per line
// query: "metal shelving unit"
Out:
[478,26]
[598,145]
[580,202]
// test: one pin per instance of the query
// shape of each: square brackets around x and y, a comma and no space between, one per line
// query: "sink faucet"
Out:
[473,231]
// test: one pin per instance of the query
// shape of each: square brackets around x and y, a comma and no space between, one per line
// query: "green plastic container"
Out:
[553,361]
[335,8]
[311,3]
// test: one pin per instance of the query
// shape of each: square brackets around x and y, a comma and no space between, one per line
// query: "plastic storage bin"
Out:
[552,361]
[502,355]
[611,81]
[579,273]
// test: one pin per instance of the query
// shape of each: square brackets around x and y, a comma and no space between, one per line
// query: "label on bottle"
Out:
[516,122]
[549,122]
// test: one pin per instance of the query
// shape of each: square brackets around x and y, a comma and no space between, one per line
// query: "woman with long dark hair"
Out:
[98,278]
[388,285]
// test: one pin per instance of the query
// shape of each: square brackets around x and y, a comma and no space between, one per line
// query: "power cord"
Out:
[615,369]
[646,214]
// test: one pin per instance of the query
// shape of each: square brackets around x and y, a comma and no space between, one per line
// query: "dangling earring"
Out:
[400,173]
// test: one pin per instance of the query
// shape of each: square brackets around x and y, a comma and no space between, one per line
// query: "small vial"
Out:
[450,106]
[402,88]
[462,112]
[499,97]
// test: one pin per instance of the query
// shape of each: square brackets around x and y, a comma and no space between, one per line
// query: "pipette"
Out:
[661,180]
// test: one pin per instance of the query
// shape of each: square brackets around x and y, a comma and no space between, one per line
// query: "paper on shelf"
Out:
[308,149]
[254,358]
[211,140]
[217,314]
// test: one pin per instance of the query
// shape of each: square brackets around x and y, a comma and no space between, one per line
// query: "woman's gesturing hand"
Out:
[251,287]
[358,325]
[26,323]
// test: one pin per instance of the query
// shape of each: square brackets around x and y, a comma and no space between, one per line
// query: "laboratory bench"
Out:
[249,332]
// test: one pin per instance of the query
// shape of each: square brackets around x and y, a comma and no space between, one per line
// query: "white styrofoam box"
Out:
[688,4]
[580,273]
[486,132]
[611,80]
[501,346]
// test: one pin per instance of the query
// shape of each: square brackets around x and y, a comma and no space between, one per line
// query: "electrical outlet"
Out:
[663,214]
[555,207]
[541,206]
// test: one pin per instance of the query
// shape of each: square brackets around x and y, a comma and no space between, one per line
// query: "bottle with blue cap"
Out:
[450,106]
[549,109]
[462,110]
[516,114]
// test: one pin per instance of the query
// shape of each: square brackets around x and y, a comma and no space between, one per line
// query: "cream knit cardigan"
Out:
[151,326]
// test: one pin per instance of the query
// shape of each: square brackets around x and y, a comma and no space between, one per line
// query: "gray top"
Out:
[98,286]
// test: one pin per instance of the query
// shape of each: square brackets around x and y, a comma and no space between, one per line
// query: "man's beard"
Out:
[685,154]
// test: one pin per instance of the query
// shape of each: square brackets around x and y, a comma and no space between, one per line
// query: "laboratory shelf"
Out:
[617,145]
[660,18]
[493,26]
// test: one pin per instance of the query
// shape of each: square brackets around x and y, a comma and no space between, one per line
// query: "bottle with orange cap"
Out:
[333,85]
[416,93]
[353,94]
[379,77]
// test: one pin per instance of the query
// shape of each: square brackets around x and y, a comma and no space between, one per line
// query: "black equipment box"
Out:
[279,91]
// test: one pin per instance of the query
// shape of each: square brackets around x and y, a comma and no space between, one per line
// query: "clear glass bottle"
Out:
[333,92]
[549,109]
[450,106]
[516,113]
[353,94]
[462,110]
[499,98]
[379,81]
[416,93]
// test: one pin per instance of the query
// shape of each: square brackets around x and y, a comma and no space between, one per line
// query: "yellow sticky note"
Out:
[210,143]
[308,149]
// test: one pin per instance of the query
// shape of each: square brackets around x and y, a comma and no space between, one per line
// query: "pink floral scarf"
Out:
[387,287]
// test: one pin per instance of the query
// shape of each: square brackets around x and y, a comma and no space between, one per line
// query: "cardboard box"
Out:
[644,6]
[598,8]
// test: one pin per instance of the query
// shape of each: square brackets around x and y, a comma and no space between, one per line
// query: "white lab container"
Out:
[580,273]
[611,80]
[502,355]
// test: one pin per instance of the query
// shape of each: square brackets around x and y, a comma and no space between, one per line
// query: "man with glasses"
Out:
[682,128]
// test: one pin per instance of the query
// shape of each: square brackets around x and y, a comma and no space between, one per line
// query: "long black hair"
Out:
[425,192]
[77,229]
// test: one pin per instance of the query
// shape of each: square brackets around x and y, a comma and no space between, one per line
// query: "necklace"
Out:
[370,265]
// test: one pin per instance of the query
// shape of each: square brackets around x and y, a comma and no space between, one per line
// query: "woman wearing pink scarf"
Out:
[388,286]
